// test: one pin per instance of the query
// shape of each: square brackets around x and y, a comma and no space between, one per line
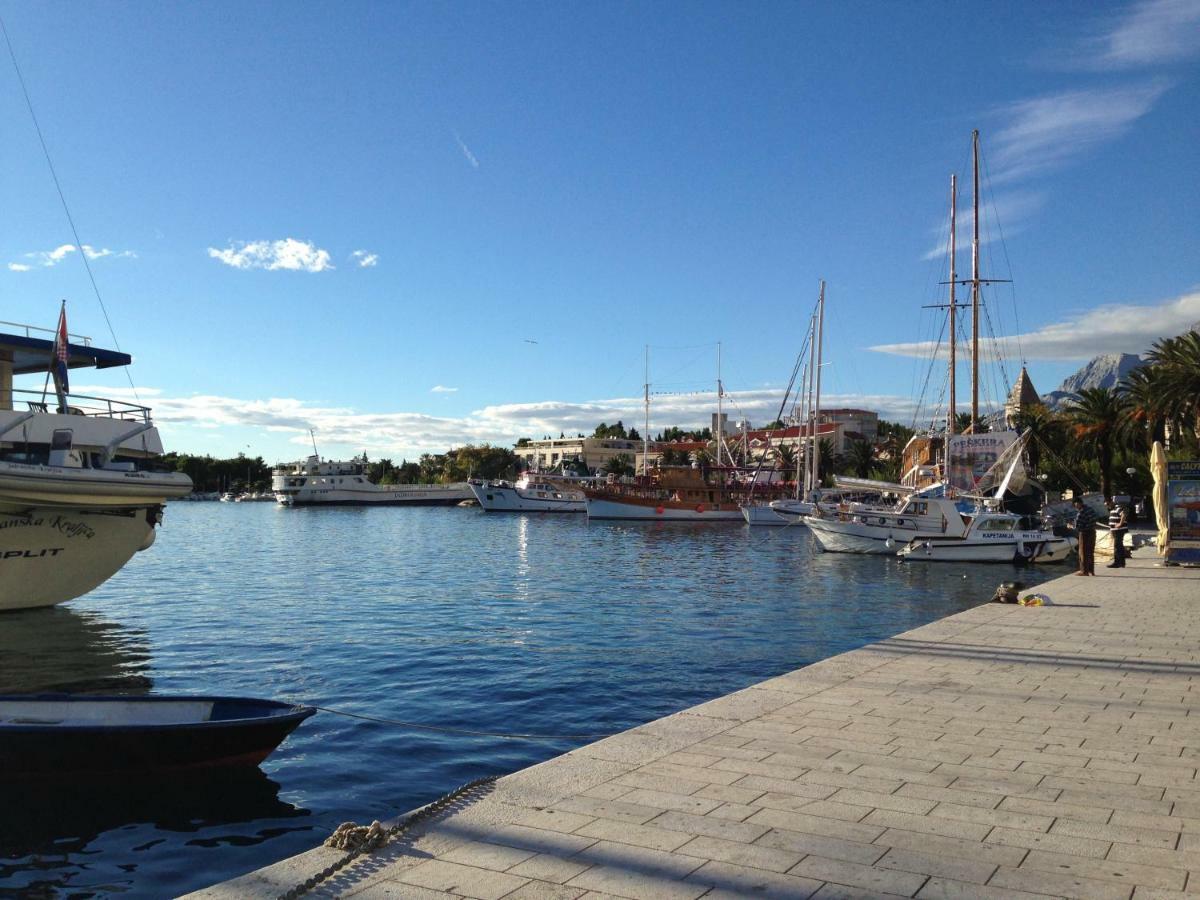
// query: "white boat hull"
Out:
[764,515]
[1031,548]
[63,487]
[50,555]
[852,540]
[374,495]
[510,499]
[611,509]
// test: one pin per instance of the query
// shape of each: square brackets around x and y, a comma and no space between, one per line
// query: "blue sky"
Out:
[358,217]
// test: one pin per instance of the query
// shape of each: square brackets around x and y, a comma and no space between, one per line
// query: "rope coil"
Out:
[370,837]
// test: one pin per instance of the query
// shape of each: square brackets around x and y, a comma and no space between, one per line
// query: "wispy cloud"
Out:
[408,434]
[1012,209]
[365,259]
[1109,329]
[466,151]
[1150,33]
[49,258]
[442,389]
[289,254]
[1047,132]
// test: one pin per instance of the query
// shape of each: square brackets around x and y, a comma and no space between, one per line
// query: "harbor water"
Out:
[445,617]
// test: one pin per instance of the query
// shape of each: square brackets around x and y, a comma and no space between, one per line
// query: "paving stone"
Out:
[1036,881]
[1127,873]
[822,845]
[487,856]
[727,880]
[755,856]
[838,871]
[998,816]
[961,848]
[928,824]
[661,800]
[1166,840]
[935,864]
[1060,843]
[467,881]
[542,890]
[638,835]
[545,867]
[712,827]
[793,821]
[937,888]
[618,810]
[874,799]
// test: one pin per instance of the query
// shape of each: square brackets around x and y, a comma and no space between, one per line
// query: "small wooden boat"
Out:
[58,734]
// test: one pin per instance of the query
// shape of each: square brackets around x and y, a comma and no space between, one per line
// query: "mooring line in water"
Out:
[448,730]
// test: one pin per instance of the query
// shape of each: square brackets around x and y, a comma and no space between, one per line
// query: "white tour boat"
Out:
[79,492]
[991,537]
[870,529]
[532,492]
[314,482]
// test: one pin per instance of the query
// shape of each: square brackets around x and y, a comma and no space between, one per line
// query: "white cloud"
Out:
[1152,32]
[1108,329]
[1009,209]
[466,151]
[365,259]
[1047,132]
[442,389]
[409,434]
[289,254]
[49,258]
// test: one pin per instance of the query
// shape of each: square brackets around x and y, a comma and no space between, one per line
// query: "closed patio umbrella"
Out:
[1158,468]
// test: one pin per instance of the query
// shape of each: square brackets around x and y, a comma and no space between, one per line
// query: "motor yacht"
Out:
[81,483]
[317,482]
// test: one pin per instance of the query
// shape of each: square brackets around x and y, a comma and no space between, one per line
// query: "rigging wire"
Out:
[1007,260]
[62,197]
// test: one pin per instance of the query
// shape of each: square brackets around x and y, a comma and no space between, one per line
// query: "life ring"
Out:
[699,507]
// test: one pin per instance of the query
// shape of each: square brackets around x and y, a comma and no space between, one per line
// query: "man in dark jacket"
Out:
[1085,528]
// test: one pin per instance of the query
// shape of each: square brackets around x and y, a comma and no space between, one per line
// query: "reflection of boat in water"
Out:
[49,829]
[60,649]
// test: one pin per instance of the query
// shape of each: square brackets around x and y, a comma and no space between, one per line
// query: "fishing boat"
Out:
[317,482]
[991,536]
[82,486]
[63,735]
[862,528]
[532,492]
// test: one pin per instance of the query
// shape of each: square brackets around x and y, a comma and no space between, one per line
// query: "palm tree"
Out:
[861,458]
[786,456]
[1177,360]
[1147,415]
[829,460]
[1045,431]
[1097,416]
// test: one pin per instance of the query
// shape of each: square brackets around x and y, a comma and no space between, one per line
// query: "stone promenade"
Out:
[1003,752]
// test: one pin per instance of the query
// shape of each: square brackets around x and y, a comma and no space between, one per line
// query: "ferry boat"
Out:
[317,482]
[80,491]
[677,494]
[532,492]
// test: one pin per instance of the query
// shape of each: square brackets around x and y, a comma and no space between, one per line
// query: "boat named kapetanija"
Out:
[314,482]
[79,489]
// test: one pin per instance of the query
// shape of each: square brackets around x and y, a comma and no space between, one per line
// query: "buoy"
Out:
[699,507]
[659,510]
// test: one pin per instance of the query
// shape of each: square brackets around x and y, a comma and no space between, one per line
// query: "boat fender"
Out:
[889,543]
[899,521]
[699,507]
[1027,551]
[882,520]
[660,510]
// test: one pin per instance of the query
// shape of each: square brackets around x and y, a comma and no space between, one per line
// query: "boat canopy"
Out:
[870,484]
[28,354]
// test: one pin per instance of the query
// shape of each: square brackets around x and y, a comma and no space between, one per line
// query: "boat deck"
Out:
[1003,752]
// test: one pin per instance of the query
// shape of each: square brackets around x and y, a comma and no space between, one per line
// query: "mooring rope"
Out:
[367,838]
[445,729]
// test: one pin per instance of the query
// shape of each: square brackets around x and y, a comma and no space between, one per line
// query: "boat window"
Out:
[996,525]
[61,439]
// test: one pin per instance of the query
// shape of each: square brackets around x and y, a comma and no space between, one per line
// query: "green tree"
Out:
[829,460]
[785,456]
[621,464]
[861,458]
[1097,417]
[1046,431]
[1177,364]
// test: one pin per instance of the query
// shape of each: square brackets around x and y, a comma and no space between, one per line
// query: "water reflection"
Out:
[59,649]
[50,831]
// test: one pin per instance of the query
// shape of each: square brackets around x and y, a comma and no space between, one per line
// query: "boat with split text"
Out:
[81,483]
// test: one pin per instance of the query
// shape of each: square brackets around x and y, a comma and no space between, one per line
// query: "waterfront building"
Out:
[593,452]
[1022,397]
[857,425]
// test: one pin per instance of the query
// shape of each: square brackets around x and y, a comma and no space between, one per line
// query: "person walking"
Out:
[1118,524]
[1085,528]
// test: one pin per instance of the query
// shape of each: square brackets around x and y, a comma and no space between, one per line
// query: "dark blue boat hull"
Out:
[241,733]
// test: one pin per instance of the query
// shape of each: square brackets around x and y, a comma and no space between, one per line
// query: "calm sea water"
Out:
[448,617]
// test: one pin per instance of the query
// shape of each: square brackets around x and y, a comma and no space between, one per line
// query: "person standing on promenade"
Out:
[1085,528]
[1118,524]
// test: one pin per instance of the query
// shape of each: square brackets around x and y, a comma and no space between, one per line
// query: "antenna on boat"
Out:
[313,438]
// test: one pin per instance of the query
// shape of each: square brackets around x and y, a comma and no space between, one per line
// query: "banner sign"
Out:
[1183,508]
[971,455]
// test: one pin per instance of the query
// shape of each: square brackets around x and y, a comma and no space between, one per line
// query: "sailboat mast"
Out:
[817,406]
[809,375]
[720,407]
[646,433]
[950,410]
[975,285]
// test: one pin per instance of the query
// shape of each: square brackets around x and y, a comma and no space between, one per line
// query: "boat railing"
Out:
[82,405]
[29,329]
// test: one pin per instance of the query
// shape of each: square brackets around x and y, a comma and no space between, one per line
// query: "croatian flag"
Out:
[59,364]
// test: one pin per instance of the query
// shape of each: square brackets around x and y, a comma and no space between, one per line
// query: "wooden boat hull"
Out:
[662,511]
[111,735]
